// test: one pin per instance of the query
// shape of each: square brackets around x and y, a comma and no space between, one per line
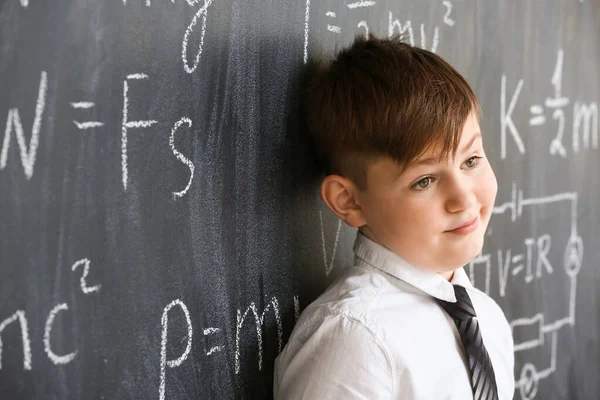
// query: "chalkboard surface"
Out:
[160,223]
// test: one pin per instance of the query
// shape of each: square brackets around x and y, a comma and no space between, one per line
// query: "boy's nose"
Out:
[460,197]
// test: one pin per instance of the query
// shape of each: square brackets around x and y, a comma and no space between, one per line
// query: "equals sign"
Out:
[538,118]
[332,28]
[86,124]
[515,259]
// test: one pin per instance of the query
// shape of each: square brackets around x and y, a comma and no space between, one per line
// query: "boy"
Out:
[396,128]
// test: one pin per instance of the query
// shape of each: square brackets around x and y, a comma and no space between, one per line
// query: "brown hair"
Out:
[383,97]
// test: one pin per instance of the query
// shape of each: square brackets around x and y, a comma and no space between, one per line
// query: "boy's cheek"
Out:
[490,186]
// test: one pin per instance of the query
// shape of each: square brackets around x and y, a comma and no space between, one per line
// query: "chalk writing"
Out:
[506,118]
[202,12]
[86,124]
[19,316]
[55,358]
[164,363]
[180,156]
[259,320]
[529,331]
[126,124]
[13,120]
[86,270]
[214,349]
[306,25]
[447,20]
[585,117]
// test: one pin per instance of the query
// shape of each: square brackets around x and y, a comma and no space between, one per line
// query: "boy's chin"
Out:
[464,256]
[472,253]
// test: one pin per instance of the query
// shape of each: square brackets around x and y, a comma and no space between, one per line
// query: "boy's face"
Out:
[415,213]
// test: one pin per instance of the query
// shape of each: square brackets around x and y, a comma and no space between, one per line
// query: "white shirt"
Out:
[377,333]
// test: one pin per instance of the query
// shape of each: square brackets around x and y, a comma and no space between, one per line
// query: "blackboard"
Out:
[160,223]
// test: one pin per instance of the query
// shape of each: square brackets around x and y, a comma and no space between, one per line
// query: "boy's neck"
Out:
[448,275]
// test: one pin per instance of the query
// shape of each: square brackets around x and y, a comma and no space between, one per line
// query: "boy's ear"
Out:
[339,195]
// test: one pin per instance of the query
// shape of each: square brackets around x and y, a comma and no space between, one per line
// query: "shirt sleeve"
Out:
[341,359]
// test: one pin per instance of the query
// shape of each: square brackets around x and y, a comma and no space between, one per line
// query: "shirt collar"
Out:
[430,282]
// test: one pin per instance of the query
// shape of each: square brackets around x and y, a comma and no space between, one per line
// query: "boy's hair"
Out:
[383,97]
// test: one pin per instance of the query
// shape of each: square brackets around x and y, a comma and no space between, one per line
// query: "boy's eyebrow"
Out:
[468,145]
[435,160]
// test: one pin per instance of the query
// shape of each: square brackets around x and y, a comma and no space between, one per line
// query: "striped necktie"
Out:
[483,380]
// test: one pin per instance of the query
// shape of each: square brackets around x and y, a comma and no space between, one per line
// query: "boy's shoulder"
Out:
[348,305]
[352,291]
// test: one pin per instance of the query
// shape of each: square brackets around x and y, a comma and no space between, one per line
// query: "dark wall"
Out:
[160,222]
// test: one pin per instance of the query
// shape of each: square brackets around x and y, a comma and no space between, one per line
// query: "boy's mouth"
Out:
[466,227]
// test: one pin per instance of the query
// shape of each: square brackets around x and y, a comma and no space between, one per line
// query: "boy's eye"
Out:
[472,162]
[423,183]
